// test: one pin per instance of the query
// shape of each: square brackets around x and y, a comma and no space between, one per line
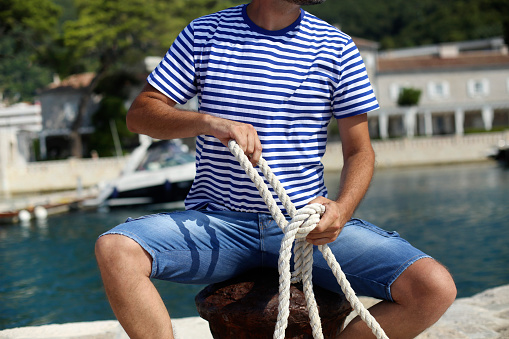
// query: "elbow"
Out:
[366,153]
[369,154]
[131,124]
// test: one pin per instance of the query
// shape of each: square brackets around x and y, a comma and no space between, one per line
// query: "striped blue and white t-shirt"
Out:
[288,84]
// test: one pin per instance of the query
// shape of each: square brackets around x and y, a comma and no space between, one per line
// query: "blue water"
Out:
[458,214]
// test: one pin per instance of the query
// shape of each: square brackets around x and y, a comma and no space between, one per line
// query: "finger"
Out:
[317,237]
[238,134]
[327,222]
[318,200]
[243,135]
[250,142]
[332,213]
[317,234]
[254,149]
[320,241]
[257,153]
[242,142]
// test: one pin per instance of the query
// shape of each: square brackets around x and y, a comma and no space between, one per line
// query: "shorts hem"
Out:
[402,269]
[140,242]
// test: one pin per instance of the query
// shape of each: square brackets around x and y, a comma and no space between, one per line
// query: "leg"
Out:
[125,269]
[417,290]
[422,294]
[186,247]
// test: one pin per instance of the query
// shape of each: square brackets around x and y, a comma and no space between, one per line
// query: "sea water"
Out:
[458,214]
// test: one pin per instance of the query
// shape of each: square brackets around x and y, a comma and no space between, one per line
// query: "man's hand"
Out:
[244,134]
[330,224]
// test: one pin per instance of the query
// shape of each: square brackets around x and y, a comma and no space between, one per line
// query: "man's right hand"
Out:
[244,134]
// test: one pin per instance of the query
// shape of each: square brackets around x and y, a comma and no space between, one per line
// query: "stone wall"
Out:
[69,174]
[425,151]
[46,176]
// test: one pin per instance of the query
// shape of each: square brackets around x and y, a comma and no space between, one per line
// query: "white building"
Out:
[60,101]
[19,126]
[464,87]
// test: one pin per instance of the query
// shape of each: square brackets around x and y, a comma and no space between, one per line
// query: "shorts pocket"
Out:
[374,228]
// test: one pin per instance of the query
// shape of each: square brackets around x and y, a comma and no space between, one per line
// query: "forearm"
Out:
[355,179]
[154,114]
[157,117]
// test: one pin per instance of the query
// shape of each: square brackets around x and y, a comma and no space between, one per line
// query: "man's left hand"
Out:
[330,224]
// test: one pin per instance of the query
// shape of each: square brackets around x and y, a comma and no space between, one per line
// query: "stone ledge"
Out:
[83,330]
[484,315]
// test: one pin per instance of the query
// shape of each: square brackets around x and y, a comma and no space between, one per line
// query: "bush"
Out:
[409,96]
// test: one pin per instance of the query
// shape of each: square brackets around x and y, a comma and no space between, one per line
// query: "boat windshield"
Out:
[165,154]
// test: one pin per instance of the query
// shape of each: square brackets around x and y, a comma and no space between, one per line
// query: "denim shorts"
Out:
[202,247]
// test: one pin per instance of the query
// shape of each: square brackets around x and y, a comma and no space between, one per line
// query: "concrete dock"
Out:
[482,316]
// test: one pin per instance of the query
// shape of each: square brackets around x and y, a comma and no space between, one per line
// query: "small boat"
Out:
[38,211]
[9,217]
[159,172]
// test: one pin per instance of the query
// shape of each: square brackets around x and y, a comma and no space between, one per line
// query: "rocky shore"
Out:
[482,316]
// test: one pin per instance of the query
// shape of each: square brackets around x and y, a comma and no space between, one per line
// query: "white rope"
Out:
[303,221]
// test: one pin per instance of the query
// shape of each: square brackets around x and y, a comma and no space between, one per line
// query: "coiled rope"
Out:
[303,221]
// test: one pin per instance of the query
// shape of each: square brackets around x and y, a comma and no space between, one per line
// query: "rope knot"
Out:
[305,220]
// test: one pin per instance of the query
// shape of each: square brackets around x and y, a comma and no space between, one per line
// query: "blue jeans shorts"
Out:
[202,247]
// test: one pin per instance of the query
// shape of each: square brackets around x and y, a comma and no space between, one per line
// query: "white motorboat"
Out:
[159,172]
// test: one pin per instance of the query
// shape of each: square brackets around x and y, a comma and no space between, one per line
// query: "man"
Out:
[270,76]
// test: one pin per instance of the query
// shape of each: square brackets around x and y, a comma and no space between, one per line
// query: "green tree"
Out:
[25,28]
[499,9]
[112,110]
[39,17]
[400,23]
[20,75]
[122,32]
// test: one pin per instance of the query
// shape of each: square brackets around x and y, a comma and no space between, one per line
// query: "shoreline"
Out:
[83,177]
[484,315]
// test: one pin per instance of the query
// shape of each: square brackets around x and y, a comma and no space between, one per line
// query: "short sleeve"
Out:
[354,94]
[175,74]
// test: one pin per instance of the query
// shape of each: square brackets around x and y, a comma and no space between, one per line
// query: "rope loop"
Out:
[306,219]
[302,223]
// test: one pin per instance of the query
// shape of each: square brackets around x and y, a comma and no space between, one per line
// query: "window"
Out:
[438,90]
[478,87]
[369,59]
[394,92]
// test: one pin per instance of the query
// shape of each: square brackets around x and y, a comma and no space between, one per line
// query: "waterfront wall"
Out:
[438,150]
[48,176]
[69,174]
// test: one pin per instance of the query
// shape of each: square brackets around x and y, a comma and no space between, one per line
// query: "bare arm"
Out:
[154,114]
[359,160]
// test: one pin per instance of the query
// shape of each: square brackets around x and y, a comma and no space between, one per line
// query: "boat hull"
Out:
[157,194]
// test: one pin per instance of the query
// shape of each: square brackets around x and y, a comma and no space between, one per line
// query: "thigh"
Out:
[370,257]
[194,246]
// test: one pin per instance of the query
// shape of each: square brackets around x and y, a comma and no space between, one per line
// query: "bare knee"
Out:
[116,252]
[427,287]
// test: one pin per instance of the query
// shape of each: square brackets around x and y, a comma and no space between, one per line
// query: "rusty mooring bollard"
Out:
[246,307]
